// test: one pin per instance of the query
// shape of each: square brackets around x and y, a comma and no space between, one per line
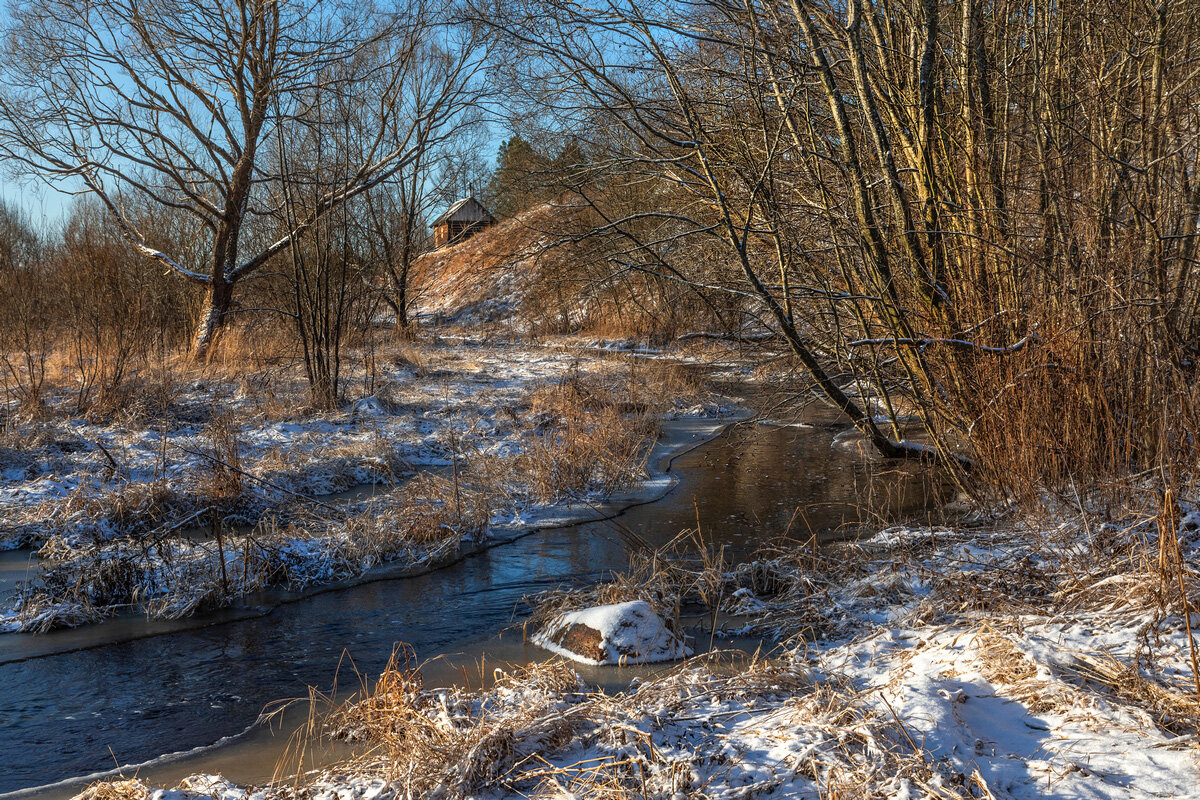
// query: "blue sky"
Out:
[45,206]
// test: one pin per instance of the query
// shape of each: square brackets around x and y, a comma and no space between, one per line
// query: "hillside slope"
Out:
[507,269]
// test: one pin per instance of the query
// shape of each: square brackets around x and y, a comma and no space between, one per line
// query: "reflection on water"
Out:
[73,713]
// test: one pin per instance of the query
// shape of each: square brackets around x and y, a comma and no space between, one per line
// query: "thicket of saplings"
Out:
[982,215]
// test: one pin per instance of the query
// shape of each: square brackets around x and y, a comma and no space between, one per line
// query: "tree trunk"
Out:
[402,320]
[217,299]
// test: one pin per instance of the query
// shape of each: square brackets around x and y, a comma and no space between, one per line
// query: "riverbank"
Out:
[108,702]
[459,441]
[995,661]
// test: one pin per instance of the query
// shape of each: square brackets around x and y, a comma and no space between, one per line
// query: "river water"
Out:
[77,703]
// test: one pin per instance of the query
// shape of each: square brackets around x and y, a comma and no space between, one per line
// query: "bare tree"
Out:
[983,215]
[178,100]
[697,116]
[19,242]
[323,281]
[394,219]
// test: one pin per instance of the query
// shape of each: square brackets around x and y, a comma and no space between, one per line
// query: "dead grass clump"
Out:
[1174,708]
[128,509]
[1111,590]
[601,451]
[569,396]
[141,506]
[583,441]
[272,393]
[451,743]
[1005,664]
[657,741]
[143,397]
[862,752]
[224,458]
[407,356]
[375,456]
[251,344]
[434,507]
[89,578]
[19,446]
[764,578]
[1016,584]
[116,789]
[657,385]
[39,616]
[306,466]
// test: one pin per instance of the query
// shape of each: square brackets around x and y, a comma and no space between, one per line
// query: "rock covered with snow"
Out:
[369,408]
[622,633]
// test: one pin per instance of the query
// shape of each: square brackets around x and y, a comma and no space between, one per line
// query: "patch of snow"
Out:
[369,408]
[621,633]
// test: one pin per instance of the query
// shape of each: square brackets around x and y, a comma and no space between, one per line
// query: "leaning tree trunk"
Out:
[217,299]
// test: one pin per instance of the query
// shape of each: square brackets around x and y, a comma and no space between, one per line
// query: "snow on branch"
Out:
[161,257]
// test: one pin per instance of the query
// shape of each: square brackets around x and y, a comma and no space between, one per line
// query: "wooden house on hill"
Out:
[465,218]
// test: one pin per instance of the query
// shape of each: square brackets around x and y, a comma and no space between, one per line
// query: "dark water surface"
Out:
[75,713]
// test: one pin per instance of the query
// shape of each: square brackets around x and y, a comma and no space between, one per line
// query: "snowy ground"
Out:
[982,663]
[447,430]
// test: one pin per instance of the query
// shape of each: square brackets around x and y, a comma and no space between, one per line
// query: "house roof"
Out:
[466,210]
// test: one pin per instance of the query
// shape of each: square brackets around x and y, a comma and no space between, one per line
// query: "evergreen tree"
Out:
[520,178]
[570,166]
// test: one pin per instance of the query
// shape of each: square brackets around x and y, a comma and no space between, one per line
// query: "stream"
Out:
[77,703]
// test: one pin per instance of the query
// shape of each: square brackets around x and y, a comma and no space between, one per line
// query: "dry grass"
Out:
[576,439]
[427,520]
[1003,663]
[94,515]
[172,578]
[118,548]
[452,743]
[118,789]
[536,732]
[601,451]
[1174,708]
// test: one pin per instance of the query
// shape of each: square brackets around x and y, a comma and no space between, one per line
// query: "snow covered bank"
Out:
[982,663]
[474,443]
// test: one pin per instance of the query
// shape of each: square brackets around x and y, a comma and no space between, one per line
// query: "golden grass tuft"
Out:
[116,789]
[1174,708]
[451,743]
